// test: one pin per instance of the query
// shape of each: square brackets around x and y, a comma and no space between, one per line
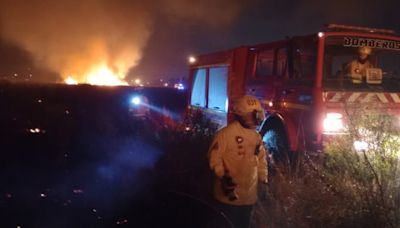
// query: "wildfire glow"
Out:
[104,76]
[101,75]
[71,81]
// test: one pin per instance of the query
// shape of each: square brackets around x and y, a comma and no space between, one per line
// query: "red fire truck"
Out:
[301,81]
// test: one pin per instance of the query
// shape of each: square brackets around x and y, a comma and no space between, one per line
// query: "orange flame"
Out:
[71,81]
[99,75]
[103,75]
[98,65]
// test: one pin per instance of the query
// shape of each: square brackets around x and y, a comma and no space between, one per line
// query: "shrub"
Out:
[368,178]
[344,187]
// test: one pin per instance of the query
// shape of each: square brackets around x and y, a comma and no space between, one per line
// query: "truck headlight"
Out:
[333,123]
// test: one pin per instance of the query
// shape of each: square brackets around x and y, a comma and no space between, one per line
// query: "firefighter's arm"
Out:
[262,168]
[215,154]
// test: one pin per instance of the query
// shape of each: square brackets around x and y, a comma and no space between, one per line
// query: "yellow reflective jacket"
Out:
[357,70]
[240,152]
[355,67]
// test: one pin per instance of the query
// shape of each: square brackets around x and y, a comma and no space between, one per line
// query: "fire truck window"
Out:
[337,66]
[304,60]
[281,61]
[390,62]
[217,94]
[304,65]
[198,97]
[345,70]
[265,63]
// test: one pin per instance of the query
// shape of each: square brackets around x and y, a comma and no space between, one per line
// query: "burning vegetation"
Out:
[98,42]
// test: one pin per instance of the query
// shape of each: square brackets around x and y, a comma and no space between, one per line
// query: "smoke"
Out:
[300,16]
[210,13]
[75,37]
[71,37]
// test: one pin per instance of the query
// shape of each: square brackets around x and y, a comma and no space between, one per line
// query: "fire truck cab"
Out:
[303,82]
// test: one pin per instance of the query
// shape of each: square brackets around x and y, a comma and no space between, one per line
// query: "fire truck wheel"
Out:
[277,144]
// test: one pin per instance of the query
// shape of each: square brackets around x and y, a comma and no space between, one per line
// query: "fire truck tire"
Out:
[276,142]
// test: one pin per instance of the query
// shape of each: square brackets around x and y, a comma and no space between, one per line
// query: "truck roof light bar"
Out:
[337,27]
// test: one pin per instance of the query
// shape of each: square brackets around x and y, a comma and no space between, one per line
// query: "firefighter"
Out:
[238,159]
[357,68]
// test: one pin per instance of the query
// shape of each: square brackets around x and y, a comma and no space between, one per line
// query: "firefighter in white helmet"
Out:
[357,68]
[238,159]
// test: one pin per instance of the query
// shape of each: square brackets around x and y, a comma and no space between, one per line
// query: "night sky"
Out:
[154,39]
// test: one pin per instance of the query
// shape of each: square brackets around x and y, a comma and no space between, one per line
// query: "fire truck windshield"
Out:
[361,64]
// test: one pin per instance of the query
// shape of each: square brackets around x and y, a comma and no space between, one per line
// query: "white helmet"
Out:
[249,108]
[246,104]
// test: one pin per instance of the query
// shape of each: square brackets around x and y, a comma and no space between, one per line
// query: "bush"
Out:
[184,164]
[367,179]
[345,187]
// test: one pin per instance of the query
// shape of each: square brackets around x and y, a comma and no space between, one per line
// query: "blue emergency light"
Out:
[136,100]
